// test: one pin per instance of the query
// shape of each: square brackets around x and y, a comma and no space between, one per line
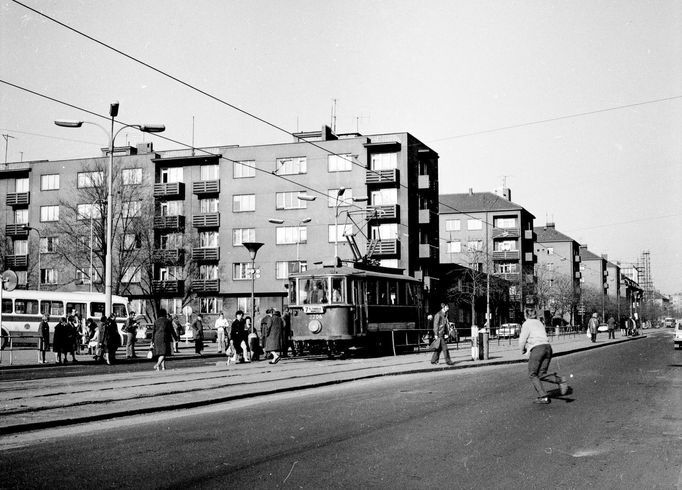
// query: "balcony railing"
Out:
[206,187]
[206,220]
[385,247]
[506,232]
[506,255]
[509,276]
[206,254]
[390,176]
[169,222]
[391,211]
[168,287]
[206,285]
[18,199]
[169,189]
[168,255]
[16,261]
[16,230]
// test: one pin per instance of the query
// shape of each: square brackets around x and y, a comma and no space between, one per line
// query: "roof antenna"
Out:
[333,122]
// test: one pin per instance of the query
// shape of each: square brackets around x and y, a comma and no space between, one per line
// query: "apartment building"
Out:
[594,282]
[301,199]
[488,232]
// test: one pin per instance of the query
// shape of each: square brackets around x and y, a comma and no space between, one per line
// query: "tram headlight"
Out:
[315,326]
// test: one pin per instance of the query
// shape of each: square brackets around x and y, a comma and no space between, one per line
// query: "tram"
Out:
[335,309]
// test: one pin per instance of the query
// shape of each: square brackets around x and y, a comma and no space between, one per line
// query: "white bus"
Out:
[22,310]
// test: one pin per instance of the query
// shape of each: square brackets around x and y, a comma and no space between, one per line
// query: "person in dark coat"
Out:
[264,323]
[198,331]
[441,329]
[238,334]
[44,340]
[163,335]
[273,336]
[111,339]
[60,342]
[73,338]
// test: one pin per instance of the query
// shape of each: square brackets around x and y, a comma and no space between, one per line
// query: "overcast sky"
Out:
[577,104]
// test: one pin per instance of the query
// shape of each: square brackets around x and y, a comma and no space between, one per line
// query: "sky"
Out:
[575,105]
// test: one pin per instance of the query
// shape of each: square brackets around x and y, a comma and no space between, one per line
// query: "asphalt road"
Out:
[475,428]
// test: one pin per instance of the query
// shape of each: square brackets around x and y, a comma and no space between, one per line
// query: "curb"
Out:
[48,424]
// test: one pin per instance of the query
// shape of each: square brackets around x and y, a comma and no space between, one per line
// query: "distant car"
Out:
[678,335]
[210,335]
[669,322]
[509,330]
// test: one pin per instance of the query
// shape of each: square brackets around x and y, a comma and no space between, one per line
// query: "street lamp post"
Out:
[30,228]
[339,193]
[253,247]
[145,128]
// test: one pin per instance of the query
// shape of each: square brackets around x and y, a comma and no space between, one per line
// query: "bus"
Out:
[334,309]
[22,310]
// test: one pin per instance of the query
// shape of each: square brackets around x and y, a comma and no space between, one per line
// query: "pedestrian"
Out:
[286,334]
[534,342]
[265,322]
[629,326]
[163,335]
[221,325]
[44,339]
[238,335]
[198,334]
[441,328]
[130,330]
[179,330]
[611,324]
[273,336]
[111,339]
[60,340]
[593,326]
[252,343]
[73,337]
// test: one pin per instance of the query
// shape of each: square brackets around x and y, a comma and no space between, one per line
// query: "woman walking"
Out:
[163,336]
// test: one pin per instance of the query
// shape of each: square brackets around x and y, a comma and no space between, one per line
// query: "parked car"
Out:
[678,335]
[509,330]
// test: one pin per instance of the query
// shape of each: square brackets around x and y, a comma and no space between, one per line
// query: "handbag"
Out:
[435,344]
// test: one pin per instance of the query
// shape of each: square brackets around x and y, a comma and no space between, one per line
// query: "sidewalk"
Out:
[38,404]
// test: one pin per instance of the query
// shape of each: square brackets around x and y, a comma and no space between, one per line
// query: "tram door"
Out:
[359,288]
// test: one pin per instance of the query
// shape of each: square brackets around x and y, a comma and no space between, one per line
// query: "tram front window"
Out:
[338,290]
[316,291]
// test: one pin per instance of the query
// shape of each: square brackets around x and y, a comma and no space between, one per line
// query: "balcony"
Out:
[206,285]
[390,176]
[206,254]
[16,230]
[16,261]
[506,255]
[169,222]
[169,190]
[204,187]
[514,277]
[424,216]
[391,212]
[380,248]
[206,220]
[168,255]
[427,251]
[18,199]
[424,182]
[506,232]
[168,287]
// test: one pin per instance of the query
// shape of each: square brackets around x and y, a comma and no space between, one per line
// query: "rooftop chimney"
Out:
[504,192]
[471,191]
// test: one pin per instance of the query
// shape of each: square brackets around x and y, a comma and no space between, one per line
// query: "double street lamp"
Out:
[298,231]
[145,128]
[253,247]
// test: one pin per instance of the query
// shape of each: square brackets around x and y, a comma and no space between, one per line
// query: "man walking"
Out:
[238,335]
[593,326]
[440,332]
[131,335]
[198,334]
[533,340]
[611,323]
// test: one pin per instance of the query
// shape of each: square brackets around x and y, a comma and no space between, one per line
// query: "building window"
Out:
[22,277]
[131,274]
[290,166]
[49,213]
[340,163]
[338,233]
[170,241]
[244,304]
[208,205]
[132,241]
[383,161]
[244,169]
[170,273]
[20,247]
[83,276]
[87,211]
[208,239]
[170,175]
[172,305]
[209,172]
[49,182]
[210,305]
[208,271]
[172,208]
[453,225]
[454,247]
[384,197]
[240,271]
[131,176]
[21,216]
[505,268]
[504,222]
[130,209]
[505,246]
[474,224]
[475,245]
[243,202]
[49,244]
[21,185]
[386,231]
[48,276]
[284,268]
[391,263]
[241,235]
[550,250]
[345,200]
[90,179]
[290,200]
[291,234]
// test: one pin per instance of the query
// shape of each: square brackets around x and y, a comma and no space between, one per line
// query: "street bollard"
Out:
[485,344]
